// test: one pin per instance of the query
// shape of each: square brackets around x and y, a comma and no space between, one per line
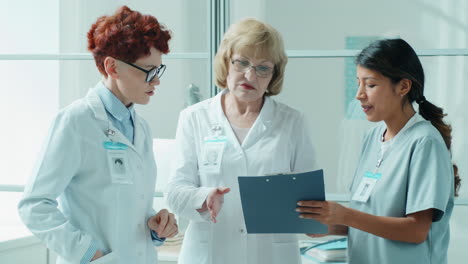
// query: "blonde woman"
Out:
[242,131]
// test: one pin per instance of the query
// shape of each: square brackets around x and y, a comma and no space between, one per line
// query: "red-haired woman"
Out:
[91,195]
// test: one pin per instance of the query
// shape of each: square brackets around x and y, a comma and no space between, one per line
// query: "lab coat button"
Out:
[242,230]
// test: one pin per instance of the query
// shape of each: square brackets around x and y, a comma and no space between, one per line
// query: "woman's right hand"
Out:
[97,255]
[214,202]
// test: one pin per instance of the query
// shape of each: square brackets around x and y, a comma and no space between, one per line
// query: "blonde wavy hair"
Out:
[253,38]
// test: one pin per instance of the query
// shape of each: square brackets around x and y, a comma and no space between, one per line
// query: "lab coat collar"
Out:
[113,105]
[261,125]
[96,105]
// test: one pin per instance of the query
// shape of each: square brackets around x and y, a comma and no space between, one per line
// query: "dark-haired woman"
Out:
[91,194]
[404,186]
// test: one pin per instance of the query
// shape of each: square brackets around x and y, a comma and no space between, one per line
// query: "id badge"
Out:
[118,164]
[212,154]
[366,186]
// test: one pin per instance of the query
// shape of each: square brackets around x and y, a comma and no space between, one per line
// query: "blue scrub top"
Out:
[417,175]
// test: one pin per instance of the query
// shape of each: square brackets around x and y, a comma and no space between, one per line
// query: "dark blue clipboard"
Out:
[269,202]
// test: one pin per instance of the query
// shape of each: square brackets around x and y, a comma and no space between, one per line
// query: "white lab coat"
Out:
[278,142]
[73,168]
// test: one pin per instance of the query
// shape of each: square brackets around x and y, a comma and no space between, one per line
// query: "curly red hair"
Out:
[127,35]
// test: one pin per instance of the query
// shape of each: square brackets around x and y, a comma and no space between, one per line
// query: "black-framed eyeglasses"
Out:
[151,73]
[260,70]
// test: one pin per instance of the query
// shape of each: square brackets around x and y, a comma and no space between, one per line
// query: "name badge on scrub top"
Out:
[366,186]
[118,164]
[212,154]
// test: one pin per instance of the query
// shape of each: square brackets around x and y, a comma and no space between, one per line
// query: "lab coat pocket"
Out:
[108,258]
[202,231]
[285,249]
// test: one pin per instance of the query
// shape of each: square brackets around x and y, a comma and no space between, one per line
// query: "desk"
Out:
[314,241]
[15,236]
[309,261]
[168,254]
[18,246]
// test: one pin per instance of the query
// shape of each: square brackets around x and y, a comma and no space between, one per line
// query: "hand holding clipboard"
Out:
[269,202]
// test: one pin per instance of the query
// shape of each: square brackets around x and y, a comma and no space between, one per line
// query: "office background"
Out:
[44,66]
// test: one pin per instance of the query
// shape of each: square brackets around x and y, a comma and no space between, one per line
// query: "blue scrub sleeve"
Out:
[430,179]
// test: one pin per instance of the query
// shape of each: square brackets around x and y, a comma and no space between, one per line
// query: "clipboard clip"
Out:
[276,174]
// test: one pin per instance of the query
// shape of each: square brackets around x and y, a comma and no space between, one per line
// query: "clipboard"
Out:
[269,202]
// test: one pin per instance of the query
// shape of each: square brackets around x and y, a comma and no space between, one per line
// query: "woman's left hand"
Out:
[164,224]
[329,213]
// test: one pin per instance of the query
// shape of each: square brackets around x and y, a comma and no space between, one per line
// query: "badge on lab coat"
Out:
[117,160]
[366,186]
[212,154]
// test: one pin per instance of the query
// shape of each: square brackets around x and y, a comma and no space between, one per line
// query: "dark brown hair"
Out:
[126,35]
